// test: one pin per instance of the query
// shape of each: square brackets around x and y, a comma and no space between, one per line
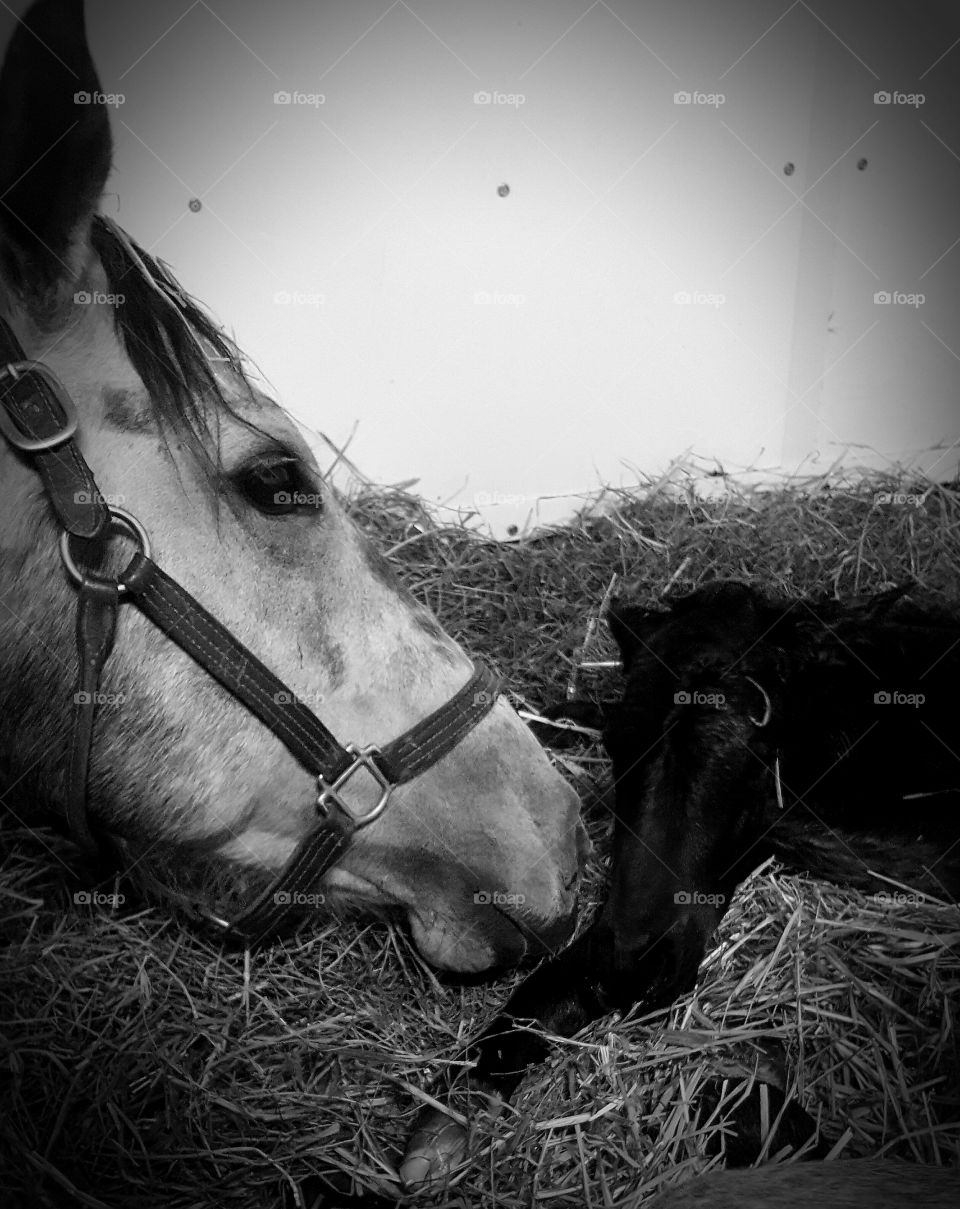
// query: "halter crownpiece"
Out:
[38,418]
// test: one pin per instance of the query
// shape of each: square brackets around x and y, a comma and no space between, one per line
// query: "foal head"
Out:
[177,433]
[693,758]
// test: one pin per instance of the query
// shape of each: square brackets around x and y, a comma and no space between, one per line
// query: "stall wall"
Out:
[516,250]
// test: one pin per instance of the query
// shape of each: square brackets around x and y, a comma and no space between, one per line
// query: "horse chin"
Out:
[438,941]
[351,890]
[447,947]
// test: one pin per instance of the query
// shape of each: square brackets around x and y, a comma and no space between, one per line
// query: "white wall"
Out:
[378,210]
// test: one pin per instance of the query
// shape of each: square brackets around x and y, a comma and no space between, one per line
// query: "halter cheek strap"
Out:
[37,418]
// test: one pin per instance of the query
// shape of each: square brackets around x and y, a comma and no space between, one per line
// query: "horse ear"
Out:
[54,148]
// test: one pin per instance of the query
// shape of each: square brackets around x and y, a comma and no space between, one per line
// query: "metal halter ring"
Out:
[120,518]
[329,793]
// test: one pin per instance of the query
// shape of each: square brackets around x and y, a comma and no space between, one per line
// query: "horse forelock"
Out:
[194,376]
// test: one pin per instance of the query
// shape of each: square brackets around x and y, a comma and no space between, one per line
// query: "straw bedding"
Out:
[141,1065]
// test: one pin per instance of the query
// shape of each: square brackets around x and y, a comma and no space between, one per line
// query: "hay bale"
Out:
[139,1064]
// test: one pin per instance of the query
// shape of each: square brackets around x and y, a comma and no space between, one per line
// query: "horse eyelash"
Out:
[302,481]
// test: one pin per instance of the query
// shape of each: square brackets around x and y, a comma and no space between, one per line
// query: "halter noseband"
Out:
[38,418]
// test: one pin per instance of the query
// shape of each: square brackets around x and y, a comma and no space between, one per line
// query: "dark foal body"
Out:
[750,728]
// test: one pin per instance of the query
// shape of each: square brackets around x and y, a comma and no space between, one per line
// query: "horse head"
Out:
[178,433]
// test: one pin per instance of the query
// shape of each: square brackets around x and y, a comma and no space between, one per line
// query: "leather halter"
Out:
[38,418]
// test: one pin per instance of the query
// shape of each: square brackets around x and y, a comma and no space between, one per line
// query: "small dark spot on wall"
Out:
[195,204]
[862,163]
[503,190]
[788,169]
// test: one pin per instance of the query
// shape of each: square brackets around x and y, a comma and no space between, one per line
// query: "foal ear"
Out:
[632,626]
[54,149]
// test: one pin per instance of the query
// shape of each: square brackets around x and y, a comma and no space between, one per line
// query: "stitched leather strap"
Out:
[183,619]
[35,410]
[429,740]
[96,627]
[315,854]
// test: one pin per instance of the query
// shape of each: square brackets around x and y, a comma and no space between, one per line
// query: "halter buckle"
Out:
[329,793]
[18,369]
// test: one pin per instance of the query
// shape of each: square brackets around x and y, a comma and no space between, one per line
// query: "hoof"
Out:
[437,1146]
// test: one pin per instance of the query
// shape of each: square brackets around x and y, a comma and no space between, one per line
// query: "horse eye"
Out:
[277,487]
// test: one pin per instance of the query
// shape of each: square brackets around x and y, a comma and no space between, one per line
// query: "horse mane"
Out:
[172,343]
